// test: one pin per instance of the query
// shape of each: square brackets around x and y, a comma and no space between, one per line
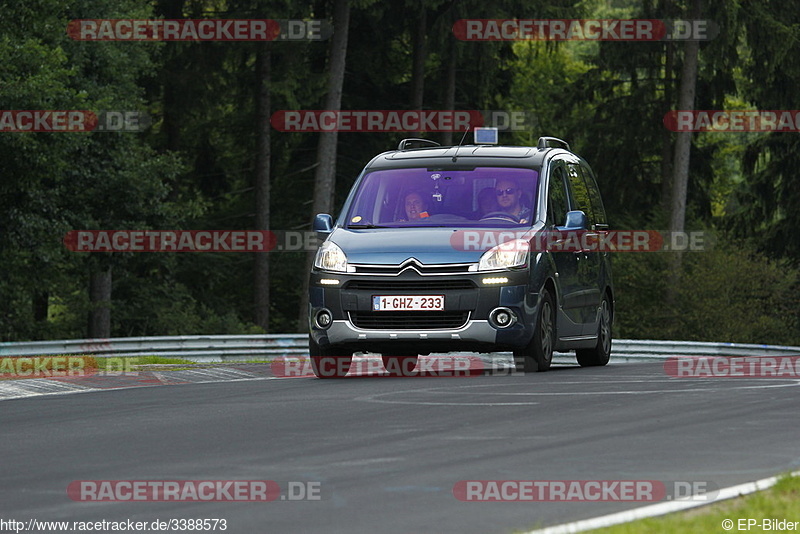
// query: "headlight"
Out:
[512,253]
[330,258]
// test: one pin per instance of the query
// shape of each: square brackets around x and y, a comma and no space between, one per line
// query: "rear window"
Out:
[483,196]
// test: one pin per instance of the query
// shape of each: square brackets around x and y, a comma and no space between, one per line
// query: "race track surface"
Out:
[386,453]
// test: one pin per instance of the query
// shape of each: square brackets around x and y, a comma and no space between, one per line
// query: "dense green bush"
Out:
[728,294]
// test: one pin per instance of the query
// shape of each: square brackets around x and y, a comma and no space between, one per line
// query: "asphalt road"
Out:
[387,452]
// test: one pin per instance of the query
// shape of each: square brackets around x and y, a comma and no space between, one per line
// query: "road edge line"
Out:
[659,509]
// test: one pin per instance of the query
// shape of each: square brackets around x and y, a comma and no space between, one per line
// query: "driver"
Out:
[508,198]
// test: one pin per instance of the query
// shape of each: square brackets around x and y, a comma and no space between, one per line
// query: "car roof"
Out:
[468,155]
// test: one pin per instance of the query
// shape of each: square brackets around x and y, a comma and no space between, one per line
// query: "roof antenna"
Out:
[466,131]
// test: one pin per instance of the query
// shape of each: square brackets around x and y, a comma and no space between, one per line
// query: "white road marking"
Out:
[459,390]
[654,510]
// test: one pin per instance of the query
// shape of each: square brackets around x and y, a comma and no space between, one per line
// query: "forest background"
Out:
[211,160]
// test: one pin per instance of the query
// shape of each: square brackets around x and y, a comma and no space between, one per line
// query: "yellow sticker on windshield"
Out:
[356,218]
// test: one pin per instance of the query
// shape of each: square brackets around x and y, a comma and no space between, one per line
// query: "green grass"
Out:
[14,368]
[19,367]
[781,501]
[135,363]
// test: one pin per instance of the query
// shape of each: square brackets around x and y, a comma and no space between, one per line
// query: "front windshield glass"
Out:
[483,196]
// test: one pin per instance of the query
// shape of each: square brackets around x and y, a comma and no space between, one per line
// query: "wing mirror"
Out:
[575,220]
[323,223]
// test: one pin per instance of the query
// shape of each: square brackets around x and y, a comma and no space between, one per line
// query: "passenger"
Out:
[508,198]
[415,207]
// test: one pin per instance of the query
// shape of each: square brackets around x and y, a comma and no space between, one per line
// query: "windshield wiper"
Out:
[361,226]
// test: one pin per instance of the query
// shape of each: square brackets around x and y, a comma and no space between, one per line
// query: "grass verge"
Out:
[781,502]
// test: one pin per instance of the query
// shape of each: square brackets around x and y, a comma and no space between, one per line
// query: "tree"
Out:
[766,201]
[76,180]
[262,189]
[325,175]
[683,144]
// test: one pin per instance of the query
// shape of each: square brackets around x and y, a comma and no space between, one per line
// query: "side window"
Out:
[594,197]
[580,193]
[557,198]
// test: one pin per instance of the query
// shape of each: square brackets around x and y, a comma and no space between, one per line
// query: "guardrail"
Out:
[199,348]
[213,348]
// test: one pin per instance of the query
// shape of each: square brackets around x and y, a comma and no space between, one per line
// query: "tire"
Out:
[400,365]
[538,354]
[600,354]
[328,362]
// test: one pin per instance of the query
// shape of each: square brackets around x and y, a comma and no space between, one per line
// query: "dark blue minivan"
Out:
[460,249]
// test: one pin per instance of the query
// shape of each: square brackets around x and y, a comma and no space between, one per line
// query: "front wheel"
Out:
[328,362]
[538,354]
[600,354]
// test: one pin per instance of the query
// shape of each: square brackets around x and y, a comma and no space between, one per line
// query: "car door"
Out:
[599,276]
[589,263]
[567,261]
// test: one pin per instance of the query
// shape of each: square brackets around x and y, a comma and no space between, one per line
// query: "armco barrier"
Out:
[199,348]
[266,346]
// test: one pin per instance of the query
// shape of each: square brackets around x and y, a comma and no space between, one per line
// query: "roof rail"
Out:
[424,142]
[547,142]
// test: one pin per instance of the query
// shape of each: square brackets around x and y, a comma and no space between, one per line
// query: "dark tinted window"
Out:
[594,196]
[426,197]
[580,193]
[557,198]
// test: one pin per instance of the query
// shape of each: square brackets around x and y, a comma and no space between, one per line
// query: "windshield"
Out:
[483,196]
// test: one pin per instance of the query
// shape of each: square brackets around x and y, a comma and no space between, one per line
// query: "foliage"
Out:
[729,293]
[194,168]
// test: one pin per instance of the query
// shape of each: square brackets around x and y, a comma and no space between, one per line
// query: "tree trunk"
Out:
[262,186]
[41,301]
[325,175]
[100,300]
[419,54]
[171,9]
[666,135]
[683,147]
[683,144]
[450,80]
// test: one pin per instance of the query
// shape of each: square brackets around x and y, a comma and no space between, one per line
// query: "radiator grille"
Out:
[432,320]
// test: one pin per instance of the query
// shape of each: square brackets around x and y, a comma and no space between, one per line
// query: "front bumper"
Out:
[474,333]
[464,324]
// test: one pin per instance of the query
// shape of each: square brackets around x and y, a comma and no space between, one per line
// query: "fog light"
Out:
[502,318]
[324,319]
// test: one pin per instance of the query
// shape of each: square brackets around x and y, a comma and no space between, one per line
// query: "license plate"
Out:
[407,302]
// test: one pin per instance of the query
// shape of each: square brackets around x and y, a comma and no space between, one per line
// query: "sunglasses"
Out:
[501,192]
